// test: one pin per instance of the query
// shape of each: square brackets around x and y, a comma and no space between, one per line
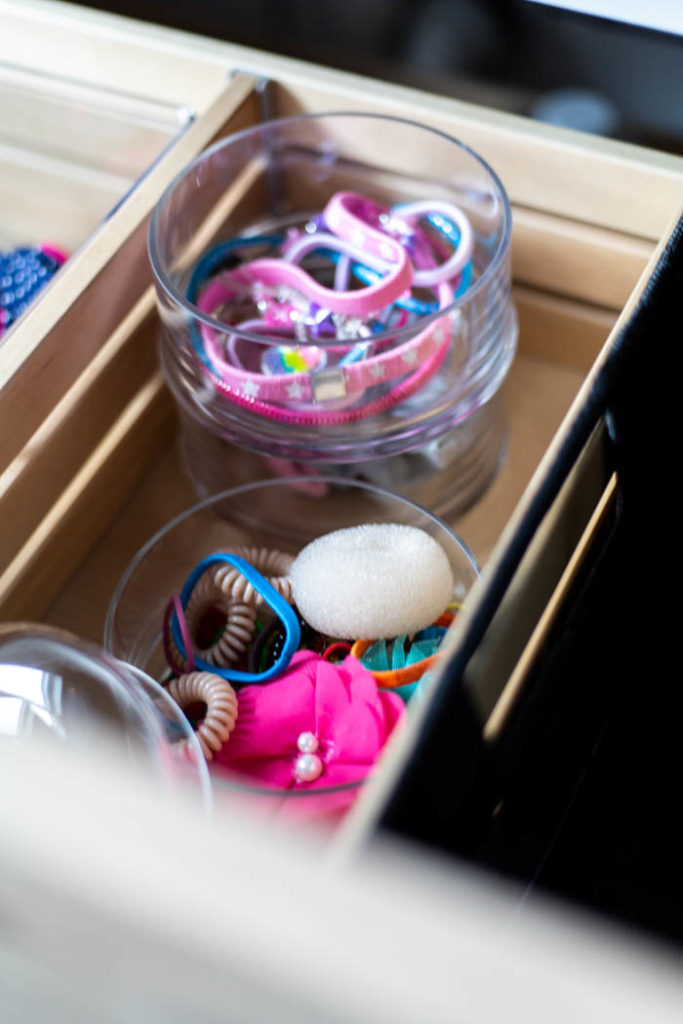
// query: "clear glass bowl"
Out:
[442,444]
[285,515]
[56,687]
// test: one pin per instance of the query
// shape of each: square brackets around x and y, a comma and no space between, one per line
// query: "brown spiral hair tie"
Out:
[240,622]
[221,707]
[274,565]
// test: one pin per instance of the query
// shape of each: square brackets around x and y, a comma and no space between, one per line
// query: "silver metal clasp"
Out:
[328,384]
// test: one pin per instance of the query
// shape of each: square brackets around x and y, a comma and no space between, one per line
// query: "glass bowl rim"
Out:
[398,334]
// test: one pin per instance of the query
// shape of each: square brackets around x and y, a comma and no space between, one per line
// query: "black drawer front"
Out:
[581,791]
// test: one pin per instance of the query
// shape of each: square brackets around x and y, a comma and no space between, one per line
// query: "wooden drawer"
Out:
[89,470]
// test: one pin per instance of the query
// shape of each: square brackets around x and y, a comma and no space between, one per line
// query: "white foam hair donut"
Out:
[371,581]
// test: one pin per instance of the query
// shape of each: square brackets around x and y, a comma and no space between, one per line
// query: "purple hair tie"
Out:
[175,604]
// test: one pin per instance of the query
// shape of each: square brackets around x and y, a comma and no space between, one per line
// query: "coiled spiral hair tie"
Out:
[221,707]
[274,565]
[240,618]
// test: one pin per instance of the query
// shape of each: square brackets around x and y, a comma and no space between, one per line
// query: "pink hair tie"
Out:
[427,278]
[317,725]
[426,273]
[346,214]
[319,391]
[366,300]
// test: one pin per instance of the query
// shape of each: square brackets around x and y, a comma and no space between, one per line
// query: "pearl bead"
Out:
[307,743]
[308,768]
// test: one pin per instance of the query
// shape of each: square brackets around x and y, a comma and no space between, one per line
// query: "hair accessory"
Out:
[221,707]
[422,354]
[407,666]
[444,216]
[384,290]
[228,638]
[339,647]
[319,724]
[176,663]
[427,244]
[225,590]
[342,580]
[369,276]
[286,359]
[274,565]
[266,592]
[260,650]
[223,255]
[23,272]
[346,214]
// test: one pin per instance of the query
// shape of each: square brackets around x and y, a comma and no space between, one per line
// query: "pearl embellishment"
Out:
[307,743]
[308,768]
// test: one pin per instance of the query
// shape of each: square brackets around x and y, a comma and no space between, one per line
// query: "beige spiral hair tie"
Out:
[221,707]
[274,565]
[240,619]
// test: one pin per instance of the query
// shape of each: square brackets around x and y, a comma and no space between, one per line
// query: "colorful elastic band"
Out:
[425,351]
[393,678]
[346,216]
[389,251]
[270,596]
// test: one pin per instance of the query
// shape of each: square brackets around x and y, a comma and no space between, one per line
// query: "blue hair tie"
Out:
[272,598]
[207,265]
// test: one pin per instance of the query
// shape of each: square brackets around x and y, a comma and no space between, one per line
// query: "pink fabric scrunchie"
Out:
[339,703]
